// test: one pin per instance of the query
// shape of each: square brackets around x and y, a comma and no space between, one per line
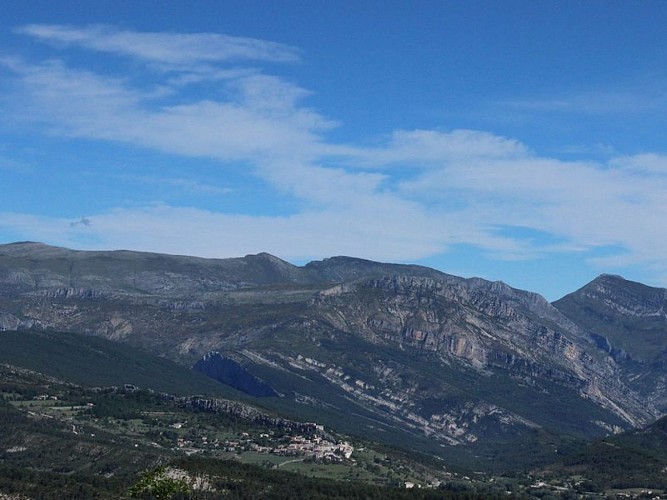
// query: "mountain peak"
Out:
[610,279]
[267,257]
[610,282]
[607,276]
[625,315]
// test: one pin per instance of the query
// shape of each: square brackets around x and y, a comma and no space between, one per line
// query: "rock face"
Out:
[231,373]
[489,326]
[377,347]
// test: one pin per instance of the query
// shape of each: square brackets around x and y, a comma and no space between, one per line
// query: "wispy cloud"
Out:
[180,183]
[638,98]
[261,116]
[171,49]
[420,148]
[408,196]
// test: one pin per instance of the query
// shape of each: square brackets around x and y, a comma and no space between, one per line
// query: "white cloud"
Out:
[642,164]
[180,183]
[410,196]
[419,148]
[629,98]
[588,204]
[173,49]
[82,104]
[194,231]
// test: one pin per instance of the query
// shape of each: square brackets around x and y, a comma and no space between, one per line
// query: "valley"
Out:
[470,374]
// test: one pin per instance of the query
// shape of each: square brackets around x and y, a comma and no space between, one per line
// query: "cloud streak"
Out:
[178,50]
[411,195]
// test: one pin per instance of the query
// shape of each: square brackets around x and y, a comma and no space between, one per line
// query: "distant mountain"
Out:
[628,320]
[403,354]
[29,267]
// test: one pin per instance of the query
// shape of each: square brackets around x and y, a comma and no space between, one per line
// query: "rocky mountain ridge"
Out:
[463,362]
[30,267]
[628,321]
[488,325]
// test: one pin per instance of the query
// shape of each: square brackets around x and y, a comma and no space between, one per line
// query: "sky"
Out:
[521,141]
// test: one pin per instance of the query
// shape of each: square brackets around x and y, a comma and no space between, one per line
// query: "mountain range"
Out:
[464,369]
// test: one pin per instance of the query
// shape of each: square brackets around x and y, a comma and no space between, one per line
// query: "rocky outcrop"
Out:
[251,414]
[72,293]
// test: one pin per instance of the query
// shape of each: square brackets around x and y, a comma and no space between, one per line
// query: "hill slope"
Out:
[401,353]
[632,460]
[95,361]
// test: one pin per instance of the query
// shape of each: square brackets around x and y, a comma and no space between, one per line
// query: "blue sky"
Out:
[520,141]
